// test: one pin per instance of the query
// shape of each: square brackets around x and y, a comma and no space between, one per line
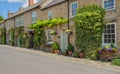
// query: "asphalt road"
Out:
[18,62]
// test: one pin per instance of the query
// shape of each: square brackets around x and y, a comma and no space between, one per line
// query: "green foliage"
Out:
[112,45]
[89,24]
[39,37]
[27,42]
[20,32]
[3,35]
[48,23]
[1,18]
[70,47]
[36,41]
[55,46]
[75,54]
[116,62]
[92,55]
[12,36]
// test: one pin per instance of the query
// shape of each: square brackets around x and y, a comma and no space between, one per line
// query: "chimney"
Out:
[31,2]
[20,8]
[10,13]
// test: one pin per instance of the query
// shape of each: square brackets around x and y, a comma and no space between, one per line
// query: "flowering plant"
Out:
[107,49]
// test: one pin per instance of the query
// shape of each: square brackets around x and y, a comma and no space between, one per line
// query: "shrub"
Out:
[89,24]
[55,46]
[92,55]
[75,54]
[70,47]
[116,62]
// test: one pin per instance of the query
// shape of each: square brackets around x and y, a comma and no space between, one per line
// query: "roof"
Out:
[43,3]
[26,9]
[51,3]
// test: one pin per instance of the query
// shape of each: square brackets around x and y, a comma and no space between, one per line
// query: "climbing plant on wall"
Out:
[20,32]
[89,24]
[3,35]
[11,32]
[39,37]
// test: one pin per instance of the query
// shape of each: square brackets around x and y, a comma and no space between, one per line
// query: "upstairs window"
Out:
[19,21]
[34,17]
[109,4]
[73,9]
[49,14]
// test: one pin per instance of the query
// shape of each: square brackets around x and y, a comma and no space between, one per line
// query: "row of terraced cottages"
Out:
[47,9]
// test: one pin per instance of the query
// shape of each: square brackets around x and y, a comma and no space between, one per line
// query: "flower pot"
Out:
[81,54]
[70,53]
[56,51]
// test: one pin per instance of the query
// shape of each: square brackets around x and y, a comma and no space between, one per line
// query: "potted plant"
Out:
[65,53]
[76,54]
[70,49]
[55,48]
[53,33]
[81,53]
[68,31]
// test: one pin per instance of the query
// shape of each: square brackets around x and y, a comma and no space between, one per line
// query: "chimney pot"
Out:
[31,2]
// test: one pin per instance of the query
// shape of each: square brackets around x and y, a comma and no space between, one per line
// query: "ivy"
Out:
[20,32]
[89,24]
[39,37]
[12,31]
[3,35]
[48,23]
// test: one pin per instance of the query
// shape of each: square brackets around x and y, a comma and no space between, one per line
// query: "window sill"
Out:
[71,17]
[112,9]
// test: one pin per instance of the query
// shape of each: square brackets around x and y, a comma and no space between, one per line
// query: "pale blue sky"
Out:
[12,5]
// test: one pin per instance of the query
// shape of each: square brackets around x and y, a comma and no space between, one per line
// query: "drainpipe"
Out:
[68,19]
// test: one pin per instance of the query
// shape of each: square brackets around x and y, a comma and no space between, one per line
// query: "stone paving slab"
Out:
[99,64]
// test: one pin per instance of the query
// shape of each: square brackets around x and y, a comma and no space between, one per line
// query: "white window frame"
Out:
[7,25]
[51,35]
[71,16]
[34,16]
[50,14]
[110,8]
[21,20]
[108,44]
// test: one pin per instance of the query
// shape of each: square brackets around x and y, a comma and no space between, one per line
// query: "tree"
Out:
[1,18]
[89,24]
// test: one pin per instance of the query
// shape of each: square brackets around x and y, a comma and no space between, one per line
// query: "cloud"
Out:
[15,1]
[25,4]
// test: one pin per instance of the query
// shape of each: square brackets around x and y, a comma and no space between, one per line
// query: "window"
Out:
[7,25]
[49,36]
[109,34]
[109,4]
[49,14]
[19,21]
[73,9]
[34,17]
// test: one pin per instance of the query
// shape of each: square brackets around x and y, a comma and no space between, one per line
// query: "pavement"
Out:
[16,60]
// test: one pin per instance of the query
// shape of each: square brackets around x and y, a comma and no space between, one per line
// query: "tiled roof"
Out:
[52,2]
[26,9]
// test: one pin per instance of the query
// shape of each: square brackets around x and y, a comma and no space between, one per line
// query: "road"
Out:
[18,62]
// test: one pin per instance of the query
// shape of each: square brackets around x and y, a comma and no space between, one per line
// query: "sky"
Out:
[12,6]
